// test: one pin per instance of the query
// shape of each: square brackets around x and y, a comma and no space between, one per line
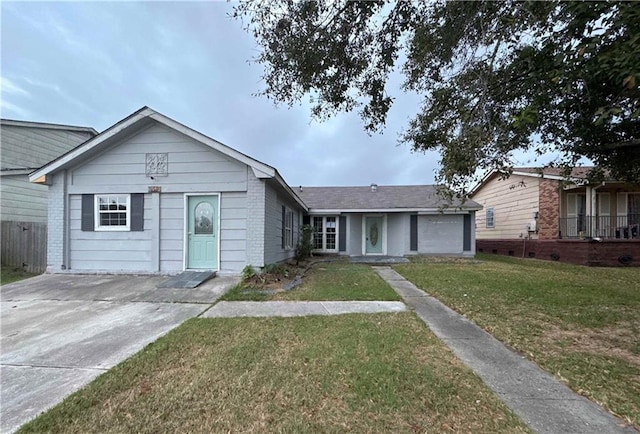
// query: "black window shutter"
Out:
[413,233]
[342,234]
[137,212]
[87,218]
[466,233]
[283,223]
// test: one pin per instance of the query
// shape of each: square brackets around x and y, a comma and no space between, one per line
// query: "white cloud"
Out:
[12,111]
[9,87]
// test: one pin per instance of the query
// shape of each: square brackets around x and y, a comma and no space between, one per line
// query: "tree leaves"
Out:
[495,76]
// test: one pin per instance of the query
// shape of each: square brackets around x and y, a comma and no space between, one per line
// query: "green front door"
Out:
[202,233]
[374,234]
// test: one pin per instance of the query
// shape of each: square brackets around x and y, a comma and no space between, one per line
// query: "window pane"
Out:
[203,223]
[112,210]
[331,241]
[317,223]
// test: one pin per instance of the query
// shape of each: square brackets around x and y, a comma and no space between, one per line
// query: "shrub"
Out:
[305,243]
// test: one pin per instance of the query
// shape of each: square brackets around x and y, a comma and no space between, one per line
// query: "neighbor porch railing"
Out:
[606,227]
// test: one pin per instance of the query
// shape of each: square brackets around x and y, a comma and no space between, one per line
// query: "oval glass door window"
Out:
[373,234]
[203,216]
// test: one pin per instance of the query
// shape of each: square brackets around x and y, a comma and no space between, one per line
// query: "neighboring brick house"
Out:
[541,213]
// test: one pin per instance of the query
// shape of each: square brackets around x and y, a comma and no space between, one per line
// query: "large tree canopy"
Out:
[495,77]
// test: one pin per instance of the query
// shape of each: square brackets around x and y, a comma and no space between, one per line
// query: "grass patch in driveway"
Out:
[13,274]
[350,373]
[339,280]
[580,323]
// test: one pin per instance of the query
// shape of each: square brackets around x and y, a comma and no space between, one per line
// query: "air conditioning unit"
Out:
[532,226]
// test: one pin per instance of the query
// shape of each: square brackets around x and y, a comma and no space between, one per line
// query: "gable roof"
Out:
[28,145]
[384,198]
[48,126]
[140,120]
[555,173]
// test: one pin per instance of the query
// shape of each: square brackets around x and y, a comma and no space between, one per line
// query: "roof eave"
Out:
[446,210]
[45,125]
[265,170]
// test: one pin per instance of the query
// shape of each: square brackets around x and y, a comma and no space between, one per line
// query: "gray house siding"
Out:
[171,232]
[440,234]
[273,250]
[436,234]
[105,251]
[233,228]
[354,231]
[397,234]
[21,201]
[28,147]
[233,231]
[192,168]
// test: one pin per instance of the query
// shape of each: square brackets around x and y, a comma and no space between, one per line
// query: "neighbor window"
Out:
[490,222]
[288,229]
[112,212]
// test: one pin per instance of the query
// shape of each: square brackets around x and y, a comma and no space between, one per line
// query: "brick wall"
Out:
[582,252]
[255,219]
[549,209]
[55,230]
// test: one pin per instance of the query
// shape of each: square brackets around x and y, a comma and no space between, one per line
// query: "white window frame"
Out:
[97,212]
[490,211]
[288,229]
[323,233]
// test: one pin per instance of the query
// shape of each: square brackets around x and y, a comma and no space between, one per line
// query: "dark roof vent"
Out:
[374,187]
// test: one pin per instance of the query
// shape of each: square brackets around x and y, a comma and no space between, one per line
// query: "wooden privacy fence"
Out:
[24,245]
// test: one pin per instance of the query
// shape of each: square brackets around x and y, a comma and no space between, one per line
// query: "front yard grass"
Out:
[580,323]
[13,274]
[348,373]
[339,280]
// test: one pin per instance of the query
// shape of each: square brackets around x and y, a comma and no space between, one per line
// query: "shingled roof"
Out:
[383,197]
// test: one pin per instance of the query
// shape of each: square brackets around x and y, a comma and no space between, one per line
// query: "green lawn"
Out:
[348,373]
[327,281]
[580,323]
[13,274]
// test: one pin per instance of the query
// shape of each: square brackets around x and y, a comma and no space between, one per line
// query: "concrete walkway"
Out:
[541,401]
[61,331]
[230,309]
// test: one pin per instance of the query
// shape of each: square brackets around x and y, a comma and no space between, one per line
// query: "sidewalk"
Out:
[541,401]
[228,309]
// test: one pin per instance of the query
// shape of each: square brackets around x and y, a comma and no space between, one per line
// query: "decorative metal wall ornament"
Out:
[373,234]
[157,164]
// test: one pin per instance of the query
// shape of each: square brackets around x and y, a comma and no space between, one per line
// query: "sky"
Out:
[93,64]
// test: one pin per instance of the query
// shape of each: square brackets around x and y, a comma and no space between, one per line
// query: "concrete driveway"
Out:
[59,332]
